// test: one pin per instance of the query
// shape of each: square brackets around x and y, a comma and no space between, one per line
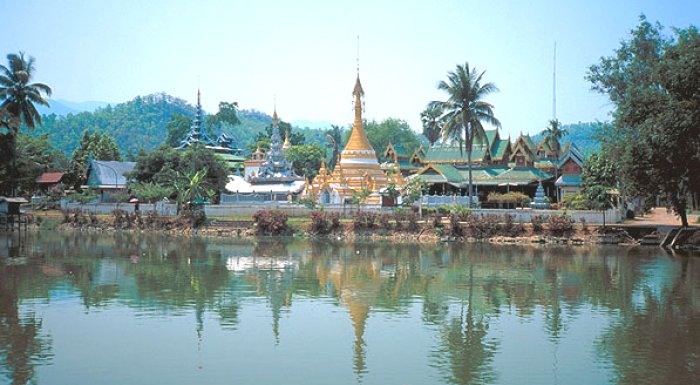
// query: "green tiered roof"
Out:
[454,154]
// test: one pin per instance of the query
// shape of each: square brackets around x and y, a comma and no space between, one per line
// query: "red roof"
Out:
[49,177]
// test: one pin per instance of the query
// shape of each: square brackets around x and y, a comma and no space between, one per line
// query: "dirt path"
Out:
[659,216]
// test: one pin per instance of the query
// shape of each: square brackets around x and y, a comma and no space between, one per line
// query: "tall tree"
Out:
[552,135]
[335,140]
[465,110]
[178,127]
[432,121]
[228,113]
[18,96]
[390,130]
[96,145]
[652,81]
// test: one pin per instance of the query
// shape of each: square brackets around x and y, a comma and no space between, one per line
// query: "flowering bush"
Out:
[271,222]
[323,223]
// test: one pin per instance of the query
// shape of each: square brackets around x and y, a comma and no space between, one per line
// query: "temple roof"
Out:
[454,154]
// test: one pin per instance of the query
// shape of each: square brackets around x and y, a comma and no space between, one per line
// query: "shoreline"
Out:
[424,231]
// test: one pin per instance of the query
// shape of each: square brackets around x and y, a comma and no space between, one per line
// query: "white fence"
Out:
[292,209]
[525,215]
[107,208]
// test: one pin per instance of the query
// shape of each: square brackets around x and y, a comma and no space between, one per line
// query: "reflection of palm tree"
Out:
[469,353]
[21,345]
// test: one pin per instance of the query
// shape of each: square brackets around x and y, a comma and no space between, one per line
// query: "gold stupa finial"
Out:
[287,144]
[358,138]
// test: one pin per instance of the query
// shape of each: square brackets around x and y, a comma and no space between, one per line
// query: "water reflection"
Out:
[636,309]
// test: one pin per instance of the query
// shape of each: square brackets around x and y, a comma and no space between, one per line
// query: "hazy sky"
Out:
[304,52]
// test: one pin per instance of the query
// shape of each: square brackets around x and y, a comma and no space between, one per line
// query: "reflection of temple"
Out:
[223,146]
[268,173]
[358,168]
[357,295]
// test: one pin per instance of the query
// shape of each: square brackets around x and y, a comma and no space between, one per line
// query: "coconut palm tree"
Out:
[465,110]
[552,134]
[18,95]
[432,121]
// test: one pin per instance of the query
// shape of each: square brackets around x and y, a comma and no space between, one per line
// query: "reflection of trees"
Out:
[21,344]
[458,288]
[466,350]
[658,341]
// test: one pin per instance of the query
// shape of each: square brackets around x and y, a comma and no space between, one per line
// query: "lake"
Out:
[133,309]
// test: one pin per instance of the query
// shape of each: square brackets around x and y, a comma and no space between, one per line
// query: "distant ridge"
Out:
[64,107]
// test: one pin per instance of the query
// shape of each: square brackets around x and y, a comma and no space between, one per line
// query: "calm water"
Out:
[147,309]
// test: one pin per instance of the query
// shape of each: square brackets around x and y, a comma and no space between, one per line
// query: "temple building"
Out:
[498,165]
[268,176]
[223,146]
[357,169]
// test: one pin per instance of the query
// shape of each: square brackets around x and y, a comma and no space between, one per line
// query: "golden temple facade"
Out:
[357,167]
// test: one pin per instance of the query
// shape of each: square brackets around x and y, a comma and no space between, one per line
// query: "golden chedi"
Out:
[357,167]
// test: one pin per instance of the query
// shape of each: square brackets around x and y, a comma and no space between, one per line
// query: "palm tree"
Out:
[465,111]
[432,123]
[335,137]
[18,95]
[552,134]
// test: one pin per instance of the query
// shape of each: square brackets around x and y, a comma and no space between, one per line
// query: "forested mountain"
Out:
[581,133]
[141,124]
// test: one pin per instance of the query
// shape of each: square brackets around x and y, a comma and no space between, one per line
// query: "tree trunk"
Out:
[680,209]
[469,163]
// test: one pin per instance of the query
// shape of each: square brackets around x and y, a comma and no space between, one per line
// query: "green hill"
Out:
[141,124]
[581,133]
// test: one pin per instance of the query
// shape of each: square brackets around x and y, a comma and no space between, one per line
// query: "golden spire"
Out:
[286,144]
[323,170]
[274,117]
[358,138]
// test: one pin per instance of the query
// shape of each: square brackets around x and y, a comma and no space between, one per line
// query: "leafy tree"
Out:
[413,190]
[262,139]
[360,196]
[306,159]
[150,192]
[465,110]
[432,121]
[652,81]
[34,156]
[18,96]
[228,113]
[176,168]
[95,145]
[178,127]
[599,177]
[390,130]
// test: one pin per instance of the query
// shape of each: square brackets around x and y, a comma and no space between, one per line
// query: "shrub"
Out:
[559,225]
[271,222]
[576,202]
[480,226]
[406,220]
[511,198]
[444,209]
[363,220]
[509,228]
[537,222]
[462,211]
[323,223]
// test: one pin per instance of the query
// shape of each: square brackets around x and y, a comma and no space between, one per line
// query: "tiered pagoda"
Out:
[269,175]
[357,168]
[276,167]
[223,146]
